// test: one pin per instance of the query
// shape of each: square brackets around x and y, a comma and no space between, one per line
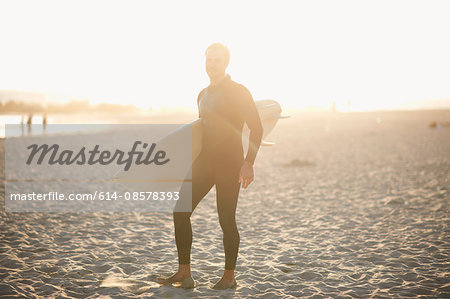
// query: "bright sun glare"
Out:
[360,55]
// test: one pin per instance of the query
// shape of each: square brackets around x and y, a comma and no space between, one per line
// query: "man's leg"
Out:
[227,189]
[202,182]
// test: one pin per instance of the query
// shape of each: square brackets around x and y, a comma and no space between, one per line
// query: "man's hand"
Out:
[246,176]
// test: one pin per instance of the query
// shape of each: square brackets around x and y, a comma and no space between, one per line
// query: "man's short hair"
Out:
[220,47]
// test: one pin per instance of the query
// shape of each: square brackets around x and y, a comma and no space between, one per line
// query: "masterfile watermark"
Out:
[100,168]
[94,156]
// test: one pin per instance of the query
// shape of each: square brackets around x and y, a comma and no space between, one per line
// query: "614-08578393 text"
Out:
[97,195]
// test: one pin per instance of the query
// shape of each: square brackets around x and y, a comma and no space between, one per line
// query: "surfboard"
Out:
[269,112]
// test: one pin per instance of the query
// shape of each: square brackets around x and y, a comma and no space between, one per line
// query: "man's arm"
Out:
[198,101]
[253,121]
[251,117]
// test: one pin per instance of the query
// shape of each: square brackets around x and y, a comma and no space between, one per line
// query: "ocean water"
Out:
[15,125]
[82,119]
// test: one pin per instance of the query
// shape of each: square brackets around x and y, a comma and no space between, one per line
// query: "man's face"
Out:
[215,63]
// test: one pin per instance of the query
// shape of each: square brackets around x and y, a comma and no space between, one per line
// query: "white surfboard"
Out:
[269,112]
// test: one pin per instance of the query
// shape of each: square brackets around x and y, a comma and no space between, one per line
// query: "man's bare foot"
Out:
[182,278]
[188,283]
[178,280]
[224,284]
[177,277]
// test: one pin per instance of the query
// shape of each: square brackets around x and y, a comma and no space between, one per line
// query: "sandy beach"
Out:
[344,205]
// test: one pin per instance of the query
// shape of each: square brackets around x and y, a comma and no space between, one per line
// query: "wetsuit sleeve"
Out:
[198,101]
[251,117]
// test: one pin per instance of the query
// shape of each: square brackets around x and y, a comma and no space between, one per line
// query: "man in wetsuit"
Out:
[224,107]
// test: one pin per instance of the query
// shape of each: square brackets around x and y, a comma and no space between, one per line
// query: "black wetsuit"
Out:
[223,108]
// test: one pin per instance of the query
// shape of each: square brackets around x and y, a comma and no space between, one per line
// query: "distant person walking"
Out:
[224,107]
[44,123]
[30,122]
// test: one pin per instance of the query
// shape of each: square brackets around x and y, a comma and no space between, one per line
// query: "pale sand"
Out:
[362,211]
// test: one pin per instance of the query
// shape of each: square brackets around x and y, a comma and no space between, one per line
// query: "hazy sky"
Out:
[377,54]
